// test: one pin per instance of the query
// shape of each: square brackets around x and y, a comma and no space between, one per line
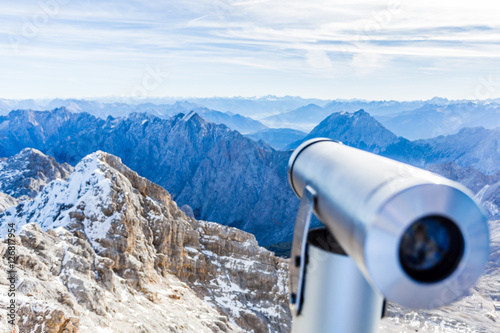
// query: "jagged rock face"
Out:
[7,201]
[115,245]
[233,259]
[64,286]
[222,175]
[26,173]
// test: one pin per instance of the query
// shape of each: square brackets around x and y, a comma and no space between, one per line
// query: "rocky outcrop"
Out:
[26,173]
[109,249]
[64,286]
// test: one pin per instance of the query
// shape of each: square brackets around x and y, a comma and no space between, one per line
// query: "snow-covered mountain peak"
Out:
[86,192]
[190,115]
[193,117]
[357,129]
[92,199]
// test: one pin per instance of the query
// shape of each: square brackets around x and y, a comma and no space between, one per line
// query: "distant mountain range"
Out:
[222,175]
[412,120]
[256,108]
[118,109]
[308,116]
[432,120]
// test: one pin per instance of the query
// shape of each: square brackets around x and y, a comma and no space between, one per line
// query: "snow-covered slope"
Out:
[112,249]
[447,118]
[29,171]
[6,201]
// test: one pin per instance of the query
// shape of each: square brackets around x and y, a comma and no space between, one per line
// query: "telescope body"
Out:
[419,239]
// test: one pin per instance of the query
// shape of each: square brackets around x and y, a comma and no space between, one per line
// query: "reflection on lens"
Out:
[431,249]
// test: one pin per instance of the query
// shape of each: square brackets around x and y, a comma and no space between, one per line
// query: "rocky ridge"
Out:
[109,251]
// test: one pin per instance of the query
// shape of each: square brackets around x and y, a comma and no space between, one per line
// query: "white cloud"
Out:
[318,59]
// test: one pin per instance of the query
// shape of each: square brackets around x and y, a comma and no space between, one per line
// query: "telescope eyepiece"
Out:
[431,249]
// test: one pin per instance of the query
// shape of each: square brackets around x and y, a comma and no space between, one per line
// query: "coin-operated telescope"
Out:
[393,232]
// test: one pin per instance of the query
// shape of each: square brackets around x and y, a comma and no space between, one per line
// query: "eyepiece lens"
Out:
[431,249]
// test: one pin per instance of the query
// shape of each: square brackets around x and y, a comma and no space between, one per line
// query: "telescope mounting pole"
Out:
[328,291]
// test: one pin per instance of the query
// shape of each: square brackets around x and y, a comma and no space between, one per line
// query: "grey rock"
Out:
[26,173]
[187,210]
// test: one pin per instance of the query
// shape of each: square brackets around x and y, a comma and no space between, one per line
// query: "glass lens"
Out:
[431,249]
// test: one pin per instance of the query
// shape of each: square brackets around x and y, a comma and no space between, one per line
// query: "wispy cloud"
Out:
[318,42]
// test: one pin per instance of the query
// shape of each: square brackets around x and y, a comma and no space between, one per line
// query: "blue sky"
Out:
[394,49]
